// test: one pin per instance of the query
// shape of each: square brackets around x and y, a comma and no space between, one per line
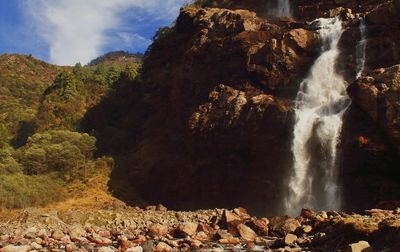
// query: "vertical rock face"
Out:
[212,117]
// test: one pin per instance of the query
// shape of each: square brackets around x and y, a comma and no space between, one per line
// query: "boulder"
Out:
[284,224]
[187,229]
[157,230]
[246,233]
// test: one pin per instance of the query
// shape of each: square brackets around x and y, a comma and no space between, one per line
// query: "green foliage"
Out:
[41,108]
[19,190]
[56,151]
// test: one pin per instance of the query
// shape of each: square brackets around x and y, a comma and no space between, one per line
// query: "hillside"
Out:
[44,155]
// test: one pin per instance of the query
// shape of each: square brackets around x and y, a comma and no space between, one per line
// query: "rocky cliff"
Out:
[209,123]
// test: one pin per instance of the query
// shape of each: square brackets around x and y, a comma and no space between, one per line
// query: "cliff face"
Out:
[211,118]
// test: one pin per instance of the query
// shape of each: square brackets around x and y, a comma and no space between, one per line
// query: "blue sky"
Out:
[65,32]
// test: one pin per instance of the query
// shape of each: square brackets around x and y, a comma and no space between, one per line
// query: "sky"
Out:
[66,32]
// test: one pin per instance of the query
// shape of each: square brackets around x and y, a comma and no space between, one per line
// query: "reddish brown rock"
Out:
[158,230]
[284,224]
[187,229]
[259,225]
[246,233]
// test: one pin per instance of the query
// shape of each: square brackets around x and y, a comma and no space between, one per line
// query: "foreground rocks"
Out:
[136,230]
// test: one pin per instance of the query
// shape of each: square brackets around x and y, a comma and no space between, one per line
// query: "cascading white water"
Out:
[283,8]
[362,45]
[320,105]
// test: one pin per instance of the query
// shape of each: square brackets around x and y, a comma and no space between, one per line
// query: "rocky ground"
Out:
[121,228]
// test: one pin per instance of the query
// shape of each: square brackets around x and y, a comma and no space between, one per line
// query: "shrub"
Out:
[19,190]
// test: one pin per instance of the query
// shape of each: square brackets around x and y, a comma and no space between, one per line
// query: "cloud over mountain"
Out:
[78,31]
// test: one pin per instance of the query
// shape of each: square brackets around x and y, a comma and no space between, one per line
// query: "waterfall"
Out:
[320,104]
[361,48]
[283,9]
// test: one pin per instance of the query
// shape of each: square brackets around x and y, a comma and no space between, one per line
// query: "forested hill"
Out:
[44,155]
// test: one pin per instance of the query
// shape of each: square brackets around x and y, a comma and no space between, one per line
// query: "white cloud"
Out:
[76,30]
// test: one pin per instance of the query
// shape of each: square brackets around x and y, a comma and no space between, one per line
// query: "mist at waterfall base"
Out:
[283,9]
[320,104]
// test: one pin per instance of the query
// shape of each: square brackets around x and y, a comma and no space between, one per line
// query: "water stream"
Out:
[320,104]
[362,44]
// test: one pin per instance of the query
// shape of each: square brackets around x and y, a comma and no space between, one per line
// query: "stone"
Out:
[229,217]
[242,213]
[76,233]
[187,229]
[158,230]
[290,239]
[307,229]
[231,240]
[30,233]
[205,228]
[105,249]
[259,225]
[162,247]
[361,246]
[57,234]
[284,224]
[161,208]
[201,236]
[246,233]
[307,213]
[223,234]
[151,208]
[135,249]
[12,248]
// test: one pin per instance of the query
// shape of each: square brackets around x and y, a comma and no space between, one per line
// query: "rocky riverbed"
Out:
[122,228]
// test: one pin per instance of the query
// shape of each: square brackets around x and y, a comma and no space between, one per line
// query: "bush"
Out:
[19,190]
[59,151]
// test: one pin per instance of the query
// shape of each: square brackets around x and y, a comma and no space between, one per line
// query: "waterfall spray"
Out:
[283,9]
[361,55]
[320,104]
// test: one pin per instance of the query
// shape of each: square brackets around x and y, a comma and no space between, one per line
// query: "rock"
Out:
[307,229]
[151,208]
[140,239]
[12,248]
[201,236]
[161,208]
[290,239]
[76,233]
[36,246]
[100,240]
[162,247]
[259,225]
[231,240]
[361,246]
[187,229]
[205,228]
[307,213]
[246,233]
[242,213]
[57,234]
[158,230]
[284,224]
[223,234]
[135,249]
[105,249]
[30,233]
